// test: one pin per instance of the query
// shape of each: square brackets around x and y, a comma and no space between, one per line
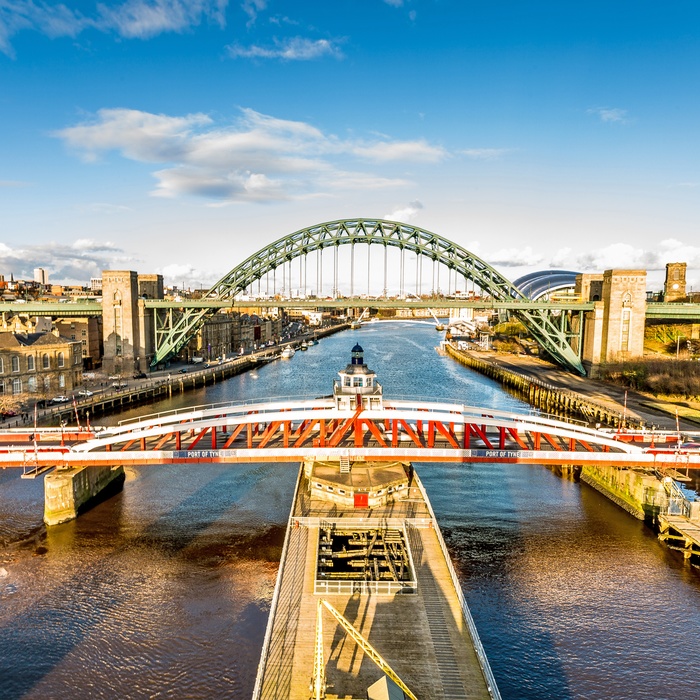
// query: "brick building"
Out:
[39,363]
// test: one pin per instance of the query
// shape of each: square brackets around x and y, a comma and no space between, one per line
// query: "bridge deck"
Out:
[423,636]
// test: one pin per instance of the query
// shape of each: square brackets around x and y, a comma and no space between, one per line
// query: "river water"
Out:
[163,591]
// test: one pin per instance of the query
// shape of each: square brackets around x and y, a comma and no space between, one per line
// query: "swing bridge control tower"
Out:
[367,603]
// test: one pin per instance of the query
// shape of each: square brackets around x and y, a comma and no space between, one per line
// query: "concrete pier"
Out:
[421,626]
[69,492]
[638,492]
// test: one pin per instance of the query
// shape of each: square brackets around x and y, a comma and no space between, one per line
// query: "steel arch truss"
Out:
[552,333]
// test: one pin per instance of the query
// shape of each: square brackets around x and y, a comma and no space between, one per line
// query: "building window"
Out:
[45,361]
[47,384]
[61,360]
[17,386]
[31,385]
[62,380]
[30,363]
[2,386]
[346,381]
[15,363]
[625,339]
[2,365]
[83,333]
[357,381]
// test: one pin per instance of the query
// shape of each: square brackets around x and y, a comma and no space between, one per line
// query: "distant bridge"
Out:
[295,430]
[556,326]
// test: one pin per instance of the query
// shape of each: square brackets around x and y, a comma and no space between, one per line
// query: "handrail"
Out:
[276,593]
[478,646]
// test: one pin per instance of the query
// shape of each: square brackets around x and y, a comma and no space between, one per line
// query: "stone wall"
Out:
[68,492]
[638,493]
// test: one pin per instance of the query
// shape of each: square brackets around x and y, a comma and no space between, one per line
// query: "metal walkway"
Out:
[424,636]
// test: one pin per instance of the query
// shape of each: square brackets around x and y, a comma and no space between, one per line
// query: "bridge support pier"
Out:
[637,492]
[69,492]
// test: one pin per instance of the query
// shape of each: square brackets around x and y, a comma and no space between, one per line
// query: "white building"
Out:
[357,384]
[41,276]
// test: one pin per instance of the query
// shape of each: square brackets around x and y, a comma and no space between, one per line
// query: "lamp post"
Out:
[678,343]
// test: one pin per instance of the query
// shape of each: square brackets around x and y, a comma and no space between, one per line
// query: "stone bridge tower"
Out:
[614,330]
[127,330]
[675,285]
[120,321]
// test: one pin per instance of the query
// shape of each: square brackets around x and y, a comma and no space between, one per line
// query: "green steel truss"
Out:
[553,332]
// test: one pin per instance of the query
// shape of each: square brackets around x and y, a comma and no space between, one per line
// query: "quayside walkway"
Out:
[421,626]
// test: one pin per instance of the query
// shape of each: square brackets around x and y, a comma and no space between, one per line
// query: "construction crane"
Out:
[318,682]
[358,321]
[439,326]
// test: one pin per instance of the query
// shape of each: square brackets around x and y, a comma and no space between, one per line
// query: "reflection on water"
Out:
[163,591]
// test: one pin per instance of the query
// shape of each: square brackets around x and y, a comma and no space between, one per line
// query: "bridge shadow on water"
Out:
[90,566]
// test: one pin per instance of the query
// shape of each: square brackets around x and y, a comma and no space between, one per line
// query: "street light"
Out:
[678,342]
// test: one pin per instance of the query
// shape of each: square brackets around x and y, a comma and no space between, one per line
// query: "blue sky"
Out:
[181,136]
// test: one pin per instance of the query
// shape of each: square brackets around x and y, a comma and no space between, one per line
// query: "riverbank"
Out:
[577,397]
[644,494]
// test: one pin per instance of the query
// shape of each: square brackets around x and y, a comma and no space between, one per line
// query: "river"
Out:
[163,591]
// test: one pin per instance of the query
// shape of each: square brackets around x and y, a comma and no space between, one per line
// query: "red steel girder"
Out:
[447,433]
[480,432]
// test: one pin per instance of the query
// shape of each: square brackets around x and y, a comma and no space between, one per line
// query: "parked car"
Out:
[115,376]
[85,392]
[140,375]
[119,385]
[183,371]
[8,414]
[60,399]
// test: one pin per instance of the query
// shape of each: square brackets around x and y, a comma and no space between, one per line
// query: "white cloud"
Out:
[515,257]
[394,3]
[485,153]
[257,158]
[405,214]
[105,208]
[188,276]
[140,19]
[419,151]
[610,115]
[291,49]
[626,256]
[74,263]
[139,135]
[252,8]
[343,180]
